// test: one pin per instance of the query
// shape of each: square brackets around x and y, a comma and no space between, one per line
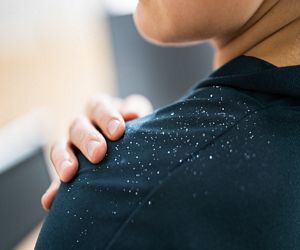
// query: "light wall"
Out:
[53,56]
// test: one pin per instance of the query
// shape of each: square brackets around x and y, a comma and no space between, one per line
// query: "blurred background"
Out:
[53,56]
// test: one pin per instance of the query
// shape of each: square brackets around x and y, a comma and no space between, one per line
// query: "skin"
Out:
[267,29]
[92,128]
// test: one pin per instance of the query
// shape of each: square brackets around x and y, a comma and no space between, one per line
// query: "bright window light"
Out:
[120,7]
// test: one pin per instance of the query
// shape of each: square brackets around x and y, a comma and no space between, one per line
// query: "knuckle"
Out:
[96,108]
[97,103]
[54,152]
[132,96]
[88,135]
[92,135]
[77,132]
[136,97]
[84,140]
[99,107]
[75,126]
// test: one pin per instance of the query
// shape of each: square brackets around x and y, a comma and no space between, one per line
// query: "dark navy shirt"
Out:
[219,169]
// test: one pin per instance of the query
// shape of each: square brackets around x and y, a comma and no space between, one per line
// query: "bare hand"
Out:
[109,115]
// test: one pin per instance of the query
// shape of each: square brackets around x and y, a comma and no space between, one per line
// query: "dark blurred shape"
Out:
[21,187]
[161,74]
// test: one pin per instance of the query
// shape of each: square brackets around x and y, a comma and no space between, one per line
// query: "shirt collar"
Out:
[251,73]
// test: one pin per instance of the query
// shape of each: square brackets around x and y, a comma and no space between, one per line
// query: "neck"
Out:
[272,34]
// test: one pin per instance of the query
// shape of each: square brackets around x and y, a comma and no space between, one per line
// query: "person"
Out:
[217,169]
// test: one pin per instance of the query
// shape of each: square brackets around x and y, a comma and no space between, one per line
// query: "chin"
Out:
[145,30]
[162,36]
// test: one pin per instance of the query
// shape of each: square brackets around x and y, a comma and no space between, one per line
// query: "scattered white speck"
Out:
[247,156]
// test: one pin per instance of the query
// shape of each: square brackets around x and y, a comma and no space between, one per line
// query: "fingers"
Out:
[135,106]
[48,197]
[64,161]
[88,139]
[109,115]
[102,112]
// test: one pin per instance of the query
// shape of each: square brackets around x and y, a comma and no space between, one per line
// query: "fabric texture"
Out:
[219,169]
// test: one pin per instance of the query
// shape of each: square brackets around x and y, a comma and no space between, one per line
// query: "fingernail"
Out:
[65,164]
[92,145]
[113,126]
